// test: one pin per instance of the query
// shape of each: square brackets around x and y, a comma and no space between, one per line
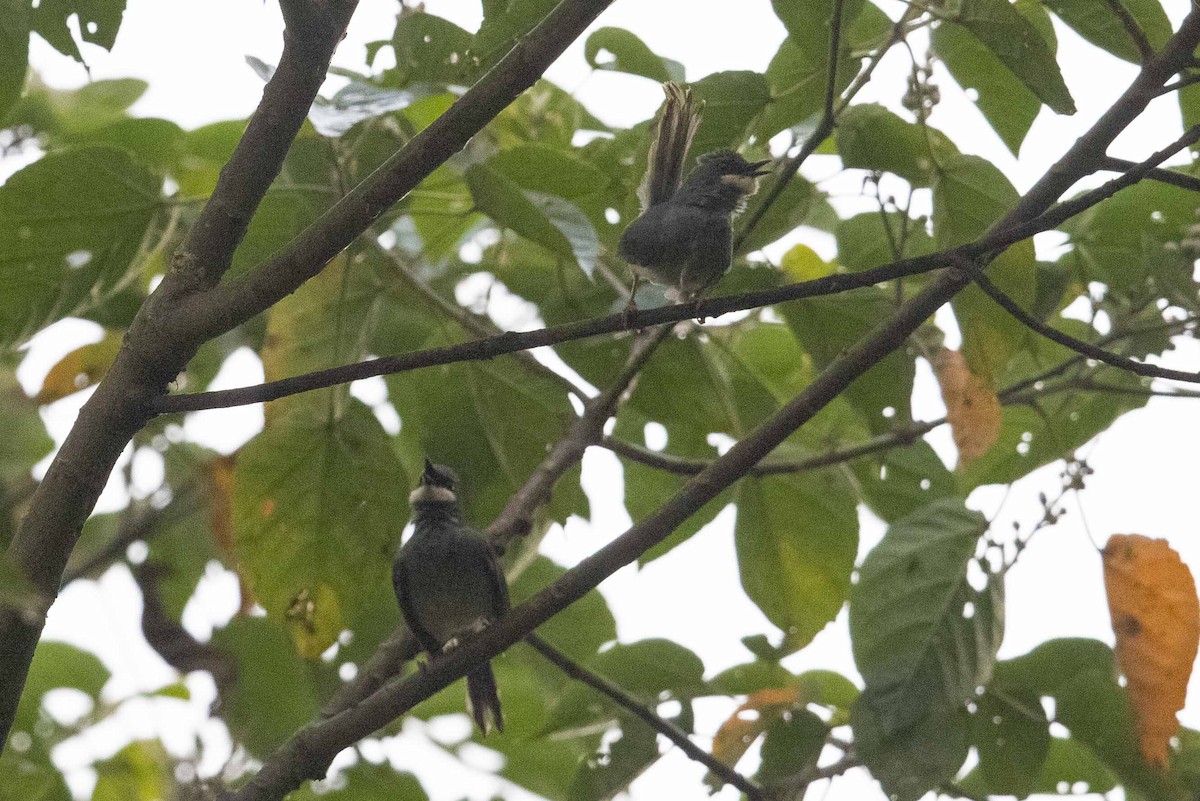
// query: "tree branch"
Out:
[156,348]
[644,713]
[1133,29]
[1066,340]
[1179,179]
[236,301]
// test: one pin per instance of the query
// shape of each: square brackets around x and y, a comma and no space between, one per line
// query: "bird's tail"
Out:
[483,701]
[670,139]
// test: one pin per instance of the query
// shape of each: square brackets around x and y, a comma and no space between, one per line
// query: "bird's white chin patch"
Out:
[428,493]
[746,184]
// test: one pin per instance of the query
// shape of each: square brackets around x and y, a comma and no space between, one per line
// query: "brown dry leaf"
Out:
[972,407]
[80,369]
[219,475]
[1156,617]
[749,721]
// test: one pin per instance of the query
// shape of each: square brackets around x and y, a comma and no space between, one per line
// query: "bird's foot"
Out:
[631,308]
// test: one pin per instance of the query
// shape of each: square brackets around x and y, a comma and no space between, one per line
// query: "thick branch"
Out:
[155,349]
[309,754]
[235,302]
[630,704]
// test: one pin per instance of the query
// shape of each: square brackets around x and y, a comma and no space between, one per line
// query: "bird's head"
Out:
[437,486]
[723,178]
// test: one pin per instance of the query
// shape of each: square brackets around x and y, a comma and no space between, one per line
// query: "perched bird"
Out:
[683,238]
[449,584]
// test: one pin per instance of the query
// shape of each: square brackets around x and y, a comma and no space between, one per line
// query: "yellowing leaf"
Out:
[750,720]
[80,369]
[802,263]
[315,621]
[1156,618]
[971,406]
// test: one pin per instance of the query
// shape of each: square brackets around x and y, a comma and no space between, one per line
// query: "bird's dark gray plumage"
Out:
[683,238]
[449,584]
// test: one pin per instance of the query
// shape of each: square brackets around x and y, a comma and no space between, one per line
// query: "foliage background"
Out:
[1061,568]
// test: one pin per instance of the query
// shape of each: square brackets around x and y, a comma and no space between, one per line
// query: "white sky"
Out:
[193,54]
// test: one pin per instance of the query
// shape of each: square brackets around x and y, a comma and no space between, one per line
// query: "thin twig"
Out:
[664,727]
[1179,179]
[1066,340]
[1134,30]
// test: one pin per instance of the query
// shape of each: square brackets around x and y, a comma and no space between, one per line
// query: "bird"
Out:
[683,238]
[449,584]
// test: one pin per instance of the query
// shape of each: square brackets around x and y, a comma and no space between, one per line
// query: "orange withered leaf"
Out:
[1156,619]
[80,369]
[972,407]
[750,720]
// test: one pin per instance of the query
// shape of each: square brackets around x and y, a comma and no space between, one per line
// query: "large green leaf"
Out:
[318,505]
[431,49]
[627,53]
[98,21]
[1003,99]
[273,696]
[1100,25]
[798,76]
[71,225]
[796,539]
[15,19]
[550,221]
[1017,43]
[922,635]
[732,100]
[903,479]
[971,194]
[25,440]
[57,664]
[543,168]
[864,241]
[871,137]
[1012,737]
[827,326]
[364,781]
[140,770]
[921,758]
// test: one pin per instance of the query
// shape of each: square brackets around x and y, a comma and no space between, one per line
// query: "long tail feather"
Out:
[483,701]
[670,139]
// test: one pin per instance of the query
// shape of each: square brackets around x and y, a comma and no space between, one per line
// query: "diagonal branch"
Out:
[1179,179]
[1066,340]
[664,727]
[236,301]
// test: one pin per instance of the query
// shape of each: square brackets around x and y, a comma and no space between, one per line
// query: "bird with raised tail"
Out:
[683,238]
[449,584]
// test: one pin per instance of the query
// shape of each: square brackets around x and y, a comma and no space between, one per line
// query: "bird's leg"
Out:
[631,306]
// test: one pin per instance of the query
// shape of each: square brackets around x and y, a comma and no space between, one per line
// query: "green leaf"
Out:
[1123,241]
[922,636]
[1017,43]
[98,21]
[140,770]
[31,776]
[799,202]
[606,773]
[798,76]
[827,326]
[273,696]
[971,194]
[864,242]
[1012,737]
[318,505]
[909,764]
[505,21]
[430,48]
[54,665]
[550,221]
[1061,422]
[791,746]
[1009,106]
[542,168]
[71,225]
[871,137]
[1101,26]
[796,539]
[25,441]
[582,627]
[14,51]
[906,478]
[732,100]
[627,53]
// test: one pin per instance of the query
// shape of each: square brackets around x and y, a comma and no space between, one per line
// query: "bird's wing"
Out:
[670,139]
[400,586]
[484,552]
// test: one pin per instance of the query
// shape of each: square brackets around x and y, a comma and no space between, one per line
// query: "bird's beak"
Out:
[429,471]
[756,168]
